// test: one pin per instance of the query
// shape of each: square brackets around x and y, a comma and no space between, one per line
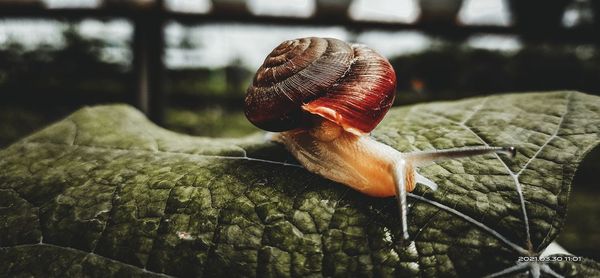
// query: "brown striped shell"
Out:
[348,84]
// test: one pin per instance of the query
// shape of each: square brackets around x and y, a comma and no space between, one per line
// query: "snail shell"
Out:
[348,84]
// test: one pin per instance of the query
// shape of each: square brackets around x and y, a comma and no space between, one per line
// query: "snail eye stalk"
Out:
[406,177]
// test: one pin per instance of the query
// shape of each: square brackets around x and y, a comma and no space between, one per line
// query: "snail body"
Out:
[365,166]
[322,97]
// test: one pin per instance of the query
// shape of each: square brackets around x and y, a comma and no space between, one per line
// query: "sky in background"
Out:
[217,45]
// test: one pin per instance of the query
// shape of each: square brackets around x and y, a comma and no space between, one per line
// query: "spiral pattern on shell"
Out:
[350,85]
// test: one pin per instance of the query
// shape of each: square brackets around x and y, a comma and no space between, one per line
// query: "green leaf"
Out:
[580,267]
[105,192]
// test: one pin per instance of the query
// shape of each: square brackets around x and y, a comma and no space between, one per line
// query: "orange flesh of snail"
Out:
[356,161]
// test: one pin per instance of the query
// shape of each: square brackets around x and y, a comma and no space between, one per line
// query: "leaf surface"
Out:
[106,192]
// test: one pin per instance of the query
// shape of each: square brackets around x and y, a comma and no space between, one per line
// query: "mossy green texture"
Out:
[104,192]
[578,268]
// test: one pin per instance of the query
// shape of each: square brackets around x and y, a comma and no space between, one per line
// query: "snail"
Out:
[320,98]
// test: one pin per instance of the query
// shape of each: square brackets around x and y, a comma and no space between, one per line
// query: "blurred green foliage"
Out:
[452,71]
[16,122]
[49,72]
[40,85]
[581,233]
[210,121]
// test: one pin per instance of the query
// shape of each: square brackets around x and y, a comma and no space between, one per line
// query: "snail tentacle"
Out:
[402,180]
[425,181]
[427,157]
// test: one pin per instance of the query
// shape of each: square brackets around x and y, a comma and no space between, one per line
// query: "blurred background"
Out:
[187,63]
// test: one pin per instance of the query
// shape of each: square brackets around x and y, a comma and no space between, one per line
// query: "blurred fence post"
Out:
[148,64]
